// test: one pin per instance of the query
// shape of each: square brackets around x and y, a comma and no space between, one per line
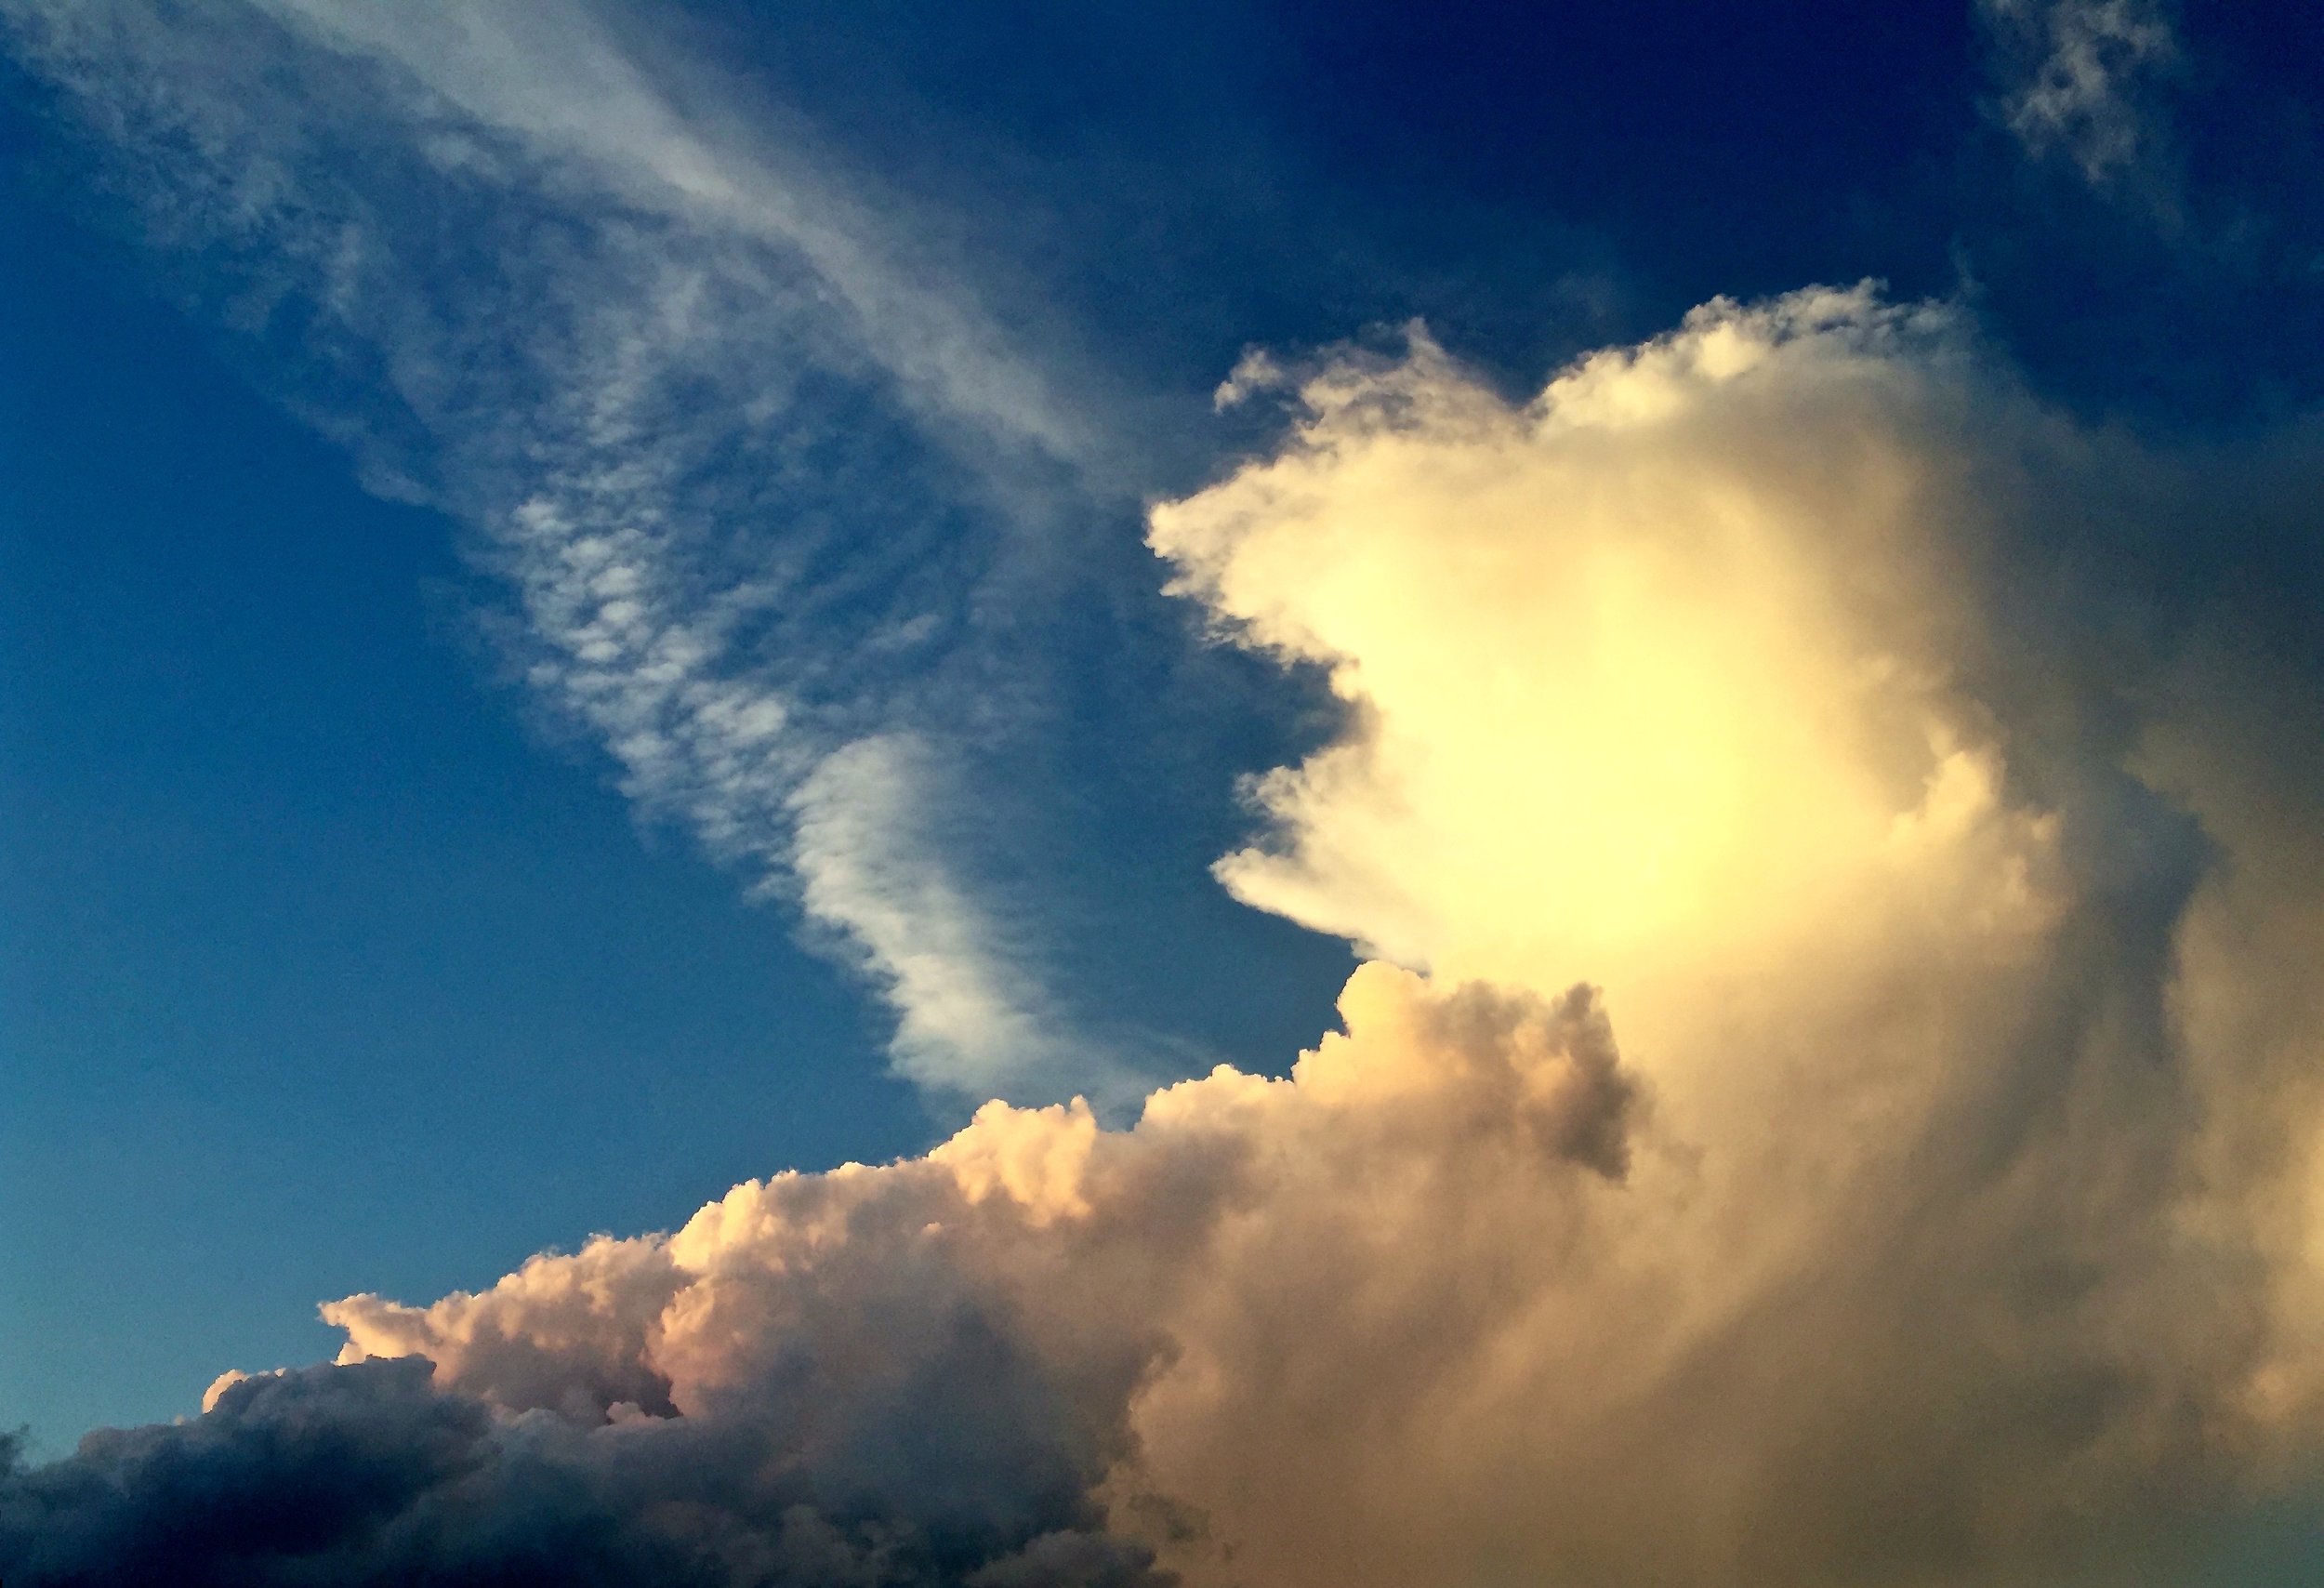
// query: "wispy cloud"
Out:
[743,454]
[874,861]
[2075,81]
[557,78]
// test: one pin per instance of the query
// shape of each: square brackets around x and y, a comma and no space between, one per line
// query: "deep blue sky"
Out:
[328,962]
[320,971]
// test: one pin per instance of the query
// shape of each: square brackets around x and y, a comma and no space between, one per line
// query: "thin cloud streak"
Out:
[555,77]
[872,861]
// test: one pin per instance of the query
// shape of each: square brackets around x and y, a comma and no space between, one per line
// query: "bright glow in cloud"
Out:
[1654,681]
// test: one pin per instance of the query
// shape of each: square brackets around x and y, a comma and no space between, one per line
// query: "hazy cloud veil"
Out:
[1831,1097]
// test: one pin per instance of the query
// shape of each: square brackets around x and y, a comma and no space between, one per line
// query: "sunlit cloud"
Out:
[1845,1113]
[1831,1096]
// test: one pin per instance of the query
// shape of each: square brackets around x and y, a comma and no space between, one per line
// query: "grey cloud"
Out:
[2075,82]
[368,1474]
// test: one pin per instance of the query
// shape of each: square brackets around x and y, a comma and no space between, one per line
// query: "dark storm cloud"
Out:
[367,1475]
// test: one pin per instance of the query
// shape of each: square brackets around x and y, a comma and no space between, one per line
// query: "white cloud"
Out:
[1655,677]
[555,76]
[872,860]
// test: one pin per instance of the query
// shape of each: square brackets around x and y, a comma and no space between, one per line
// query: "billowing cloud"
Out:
[1842,1110]
[1747,673]
[921,1372]
[370,1475]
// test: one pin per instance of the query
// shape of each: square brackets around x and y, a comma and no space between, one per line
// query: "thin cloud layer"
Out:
[1844,1112]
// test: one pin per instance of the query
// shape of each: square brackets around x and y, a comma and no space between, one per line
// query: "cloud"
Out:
[2073,79]
[747,469]
[1845,1113]
[369,1475]
[932,1365]
[1717,674]
[872,860]
[1653,677]
[564,84]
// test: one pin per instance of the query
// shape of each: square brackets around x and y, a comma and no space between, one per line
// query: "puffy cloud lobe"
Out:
[1947,1216]
[556,1339]
[1656,676]
[934,1363]
[369,1475]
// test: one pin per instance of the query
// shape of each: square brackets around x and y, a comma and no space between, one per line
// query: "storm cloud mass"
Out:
[1832,1094]
[1947,1216]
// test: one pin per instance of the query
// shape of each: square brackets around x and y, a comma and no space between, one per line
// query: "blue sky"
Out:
[302,917]
[577,617]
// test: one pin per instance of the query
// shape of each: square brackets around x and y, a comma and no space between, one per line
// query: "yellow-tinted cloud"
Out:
[1950,1211]
[1946,1217]
[1654,680]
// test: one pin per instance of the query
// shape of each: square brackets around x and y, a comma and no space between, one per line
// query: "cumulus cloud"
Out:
[2075,79]
[1844,1111]
[370,1475]
[921,1372]
[1744,673]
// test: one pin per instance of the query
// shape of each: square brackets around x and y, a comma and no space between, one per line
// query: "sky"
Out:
[1542,781]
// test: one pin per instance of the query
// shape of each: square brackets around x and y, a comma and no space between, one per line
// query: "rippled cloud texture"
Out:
[750,457]
[1833,1098]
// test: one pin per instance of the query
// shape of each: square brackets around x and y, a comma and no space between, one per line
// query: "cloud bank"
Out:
[1833,1101]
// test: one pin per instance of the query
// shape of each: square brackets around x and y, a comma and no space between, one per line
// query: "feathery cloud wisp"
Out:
[2075,81]
[743,469]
